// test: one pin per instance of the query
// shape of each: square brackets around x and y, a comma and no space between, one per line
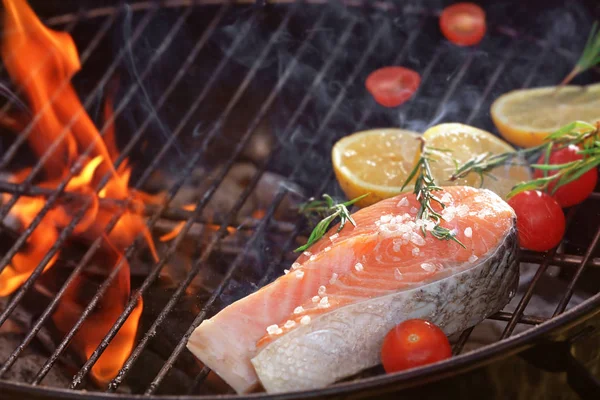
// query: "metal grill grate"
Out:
[360,42]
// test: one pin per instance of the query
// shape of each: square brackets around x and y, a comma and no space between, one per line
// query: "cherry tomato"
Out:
[392,86]
[413,343]
[576,191]
[540,220]
[463,23]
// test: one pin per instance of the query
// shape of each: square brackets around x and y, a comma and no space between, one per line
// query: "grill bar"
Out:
[564,301]
[493,79]
[439,112]
[523,319]
[512,323]
[560,260]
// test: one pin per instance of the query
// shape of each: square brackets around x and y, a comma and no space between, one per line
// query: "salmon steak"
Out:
[326,318]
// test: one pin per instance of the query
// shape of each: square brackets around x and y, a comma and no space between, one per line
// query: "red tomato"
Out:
[540,220]
[576,191]
[463,23]
[392,86]
[413,343]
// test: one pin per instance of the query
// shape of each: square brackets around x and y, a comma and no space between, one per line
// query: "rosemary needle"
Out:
[329,210]
[577,133]
[590,56]
[425,187]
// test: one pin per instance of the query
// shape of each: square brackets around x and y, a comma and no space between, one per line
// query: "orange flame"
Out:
[177,229]
[42,62]
[101,320]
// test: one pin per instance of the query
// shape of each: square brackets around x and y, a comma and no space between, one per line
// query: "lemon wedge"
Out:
[464,143]
[526,117]
[377,161]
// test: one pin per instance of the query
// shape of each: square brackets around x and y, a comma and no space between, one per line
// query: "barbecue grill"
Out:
[201,86]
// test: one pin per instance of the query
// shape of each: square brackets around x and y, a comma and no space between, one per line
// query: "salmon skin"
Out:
[326,318]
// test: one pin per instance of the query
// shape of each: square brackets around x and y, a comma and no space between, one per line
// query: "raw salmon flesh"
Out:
[326,318]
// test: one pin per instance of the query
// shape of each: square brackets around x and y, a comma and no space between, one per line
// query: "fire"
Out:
[175,231]
[42,62]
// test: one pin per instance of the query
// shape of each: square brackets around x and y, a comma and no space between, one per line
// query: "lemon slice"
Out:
[466,142]
[526,117]
[377,161]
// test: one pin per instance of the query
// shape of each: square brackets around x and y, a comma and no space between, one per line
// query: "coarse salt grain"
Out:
[289,324]
[312,258]
[299,274]
[327,248]
[295,265]
[324,303]
[413,210]
[322,290]
[333,278]
[298,310]
[305,320]
[359,267]
[397,274]
[403,202]
[307,253]
[446,198]
[468,232]
[286,271]
[334,236]
[473,258]
[415,251]
[272,329]
[316,299]
[428,267]
[417,239]
[462,210]
[385,218]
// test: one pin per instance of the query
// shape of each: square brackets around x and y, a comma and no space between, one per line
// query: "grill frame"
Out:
[548,329]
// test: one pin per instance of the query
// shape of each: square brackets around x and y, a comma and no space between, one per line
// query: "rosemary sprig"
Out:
[590,56]
[425,187]
[329,211]
[577,133]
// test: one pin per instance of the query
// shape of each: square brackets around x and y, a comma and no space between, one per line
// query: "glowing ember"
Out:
[42,62]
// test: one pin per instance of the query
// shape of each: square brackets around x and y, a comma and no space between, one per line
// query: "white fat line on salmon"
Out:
[397,274]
